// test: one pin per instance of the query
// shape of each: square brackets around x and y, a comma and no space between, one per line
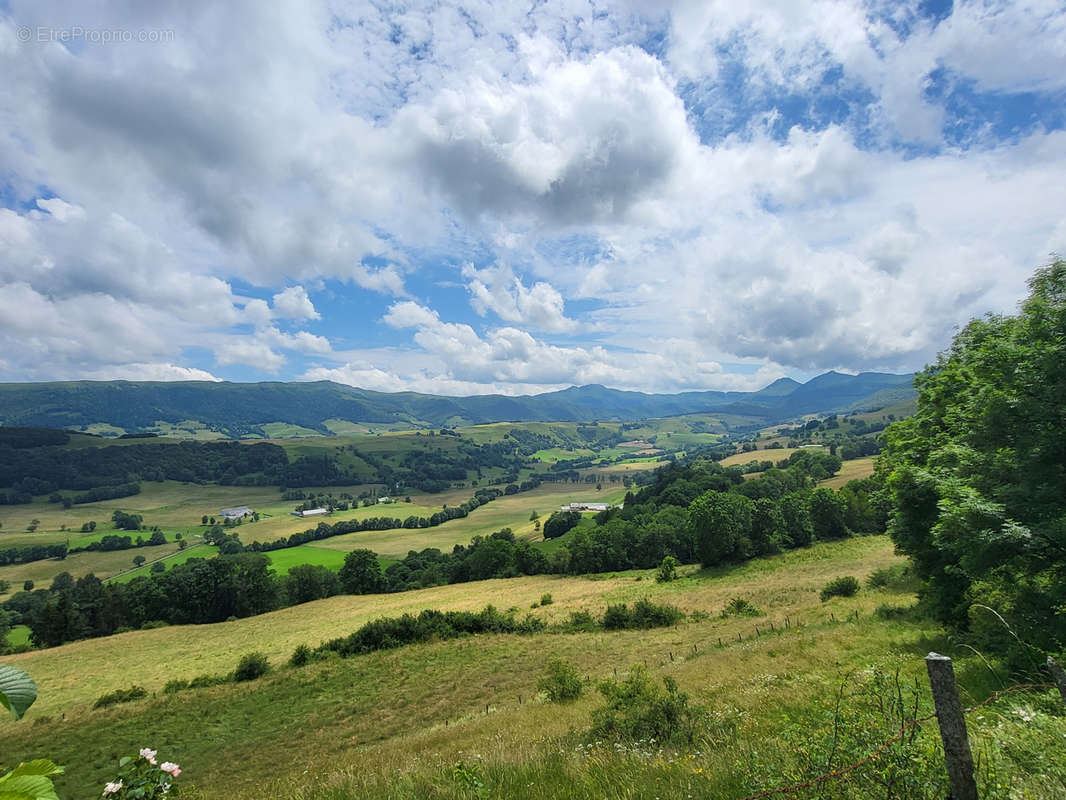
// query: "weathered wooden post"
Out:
[952,721]
[1058,675]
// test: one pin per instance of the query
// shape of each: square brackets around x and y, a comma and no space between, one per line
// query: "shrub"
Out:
[644,614]
[120,696]
[840,587]
[899,576]
[581,621]
[176,685]
[251,666]
[301,656]
[739,607]
[546,599]
[667,570]
[638,709]
[202,681]
[562,684]
[154,623]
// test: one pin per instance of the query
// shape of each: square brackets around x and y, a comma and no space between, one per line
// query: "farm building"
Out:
[237,512]
[311,512]
[586,507]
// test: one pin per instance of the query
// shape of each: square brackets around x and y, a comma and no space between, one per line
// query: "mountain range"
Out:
[241,409]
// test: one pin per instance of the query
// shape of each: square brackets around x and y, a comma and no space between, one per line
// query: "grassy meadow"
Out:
[394,723]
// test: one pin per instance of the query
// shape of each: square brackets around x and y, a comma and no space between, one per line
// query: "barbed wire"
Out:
[837,773]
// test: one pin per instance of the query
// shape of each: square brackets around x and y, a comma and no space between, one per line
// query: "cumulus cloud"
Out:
[570,145]
[293,303]
[498,290]
[673,186]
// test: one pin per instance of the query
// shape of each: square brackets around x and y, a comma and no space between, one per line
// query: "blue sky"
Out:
[491,198]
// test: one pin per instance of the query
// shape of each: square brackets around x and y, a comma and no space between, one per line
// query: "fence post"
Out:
[1057,675]
[952,722]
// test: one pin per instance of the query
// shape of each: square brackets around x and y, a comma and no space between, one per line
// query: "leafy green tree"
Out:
[361,573]
[828,514]
[977,476]
[767,527]
[796,513]
[721,525]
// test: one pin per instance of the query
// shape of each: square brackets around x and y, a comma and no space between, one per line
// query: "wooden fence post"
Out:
[1057,675]
[952,721]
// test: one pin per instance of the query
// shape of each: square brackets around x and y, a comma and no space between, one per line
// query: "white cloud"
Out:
[293,303]
[498,290]
[252,352]
[150,372]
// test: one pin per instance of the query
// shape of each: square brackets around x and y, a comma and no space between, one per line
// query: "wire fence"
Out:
[837,773]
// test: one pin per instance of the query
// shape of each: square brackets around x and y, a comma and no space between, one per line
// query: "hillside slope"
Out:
[242,409]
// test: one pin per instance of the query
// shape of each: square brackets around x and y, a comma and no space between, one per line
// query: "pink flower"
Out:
[112,788]
[148,755]
[172,768]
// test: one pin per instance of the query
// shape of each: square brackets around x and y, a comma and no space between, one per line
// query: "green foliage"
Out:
[301,656]
[143,778]
[638,709]
[120,696]
[175,685]
[31,780]
[739,607]
[17,690]
[546,599]
[828,514]
[561,683]
[667,570]
[559,523]
[721,526]
[847,586]
[361,573]
[387,633]
[251,666]
[977,477]
[644,614]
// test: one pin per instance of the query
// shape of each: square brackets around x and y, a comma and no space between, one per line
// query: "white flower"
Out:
[112,788]
[172,768]
[148,755]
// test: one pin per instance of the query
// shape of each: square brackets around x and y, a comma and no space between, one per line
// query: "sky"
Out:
[518,197]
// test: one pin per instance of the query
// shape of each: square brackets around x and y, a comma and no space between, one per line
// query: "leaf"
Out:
[17,690]
[39,766]
[27,787]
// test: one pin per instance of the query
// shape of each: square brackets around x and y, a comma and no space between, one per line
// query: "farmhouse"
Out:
[311,512]
[235,513]
[586,507]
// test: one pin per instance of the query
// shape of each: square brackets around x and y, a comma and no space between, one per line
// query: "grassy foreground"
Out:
[395,723]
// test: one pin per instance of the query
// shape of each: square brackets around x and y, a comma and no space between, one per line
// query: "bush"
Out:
[581,621]
[251,666]
[644,614]
[203,681]
[840,587]
[562,684]
[546,599]
[176,685]
[667,570]
[301,656]
[120,696]
[739,607]
[900,577]
[638,709]
[154,623]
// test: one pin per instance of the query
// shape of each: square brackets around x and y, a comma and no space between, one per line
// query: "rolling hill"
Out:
[242,409]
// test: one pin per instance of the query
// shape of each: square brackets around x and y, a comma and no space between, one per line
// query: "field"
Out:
[851,470]
[382,720]
[178,508]
[774,454]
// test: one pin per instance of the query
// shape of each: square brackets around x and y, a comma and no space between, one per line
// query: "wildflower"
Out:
[112,788]
[148,755]
[172,768]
